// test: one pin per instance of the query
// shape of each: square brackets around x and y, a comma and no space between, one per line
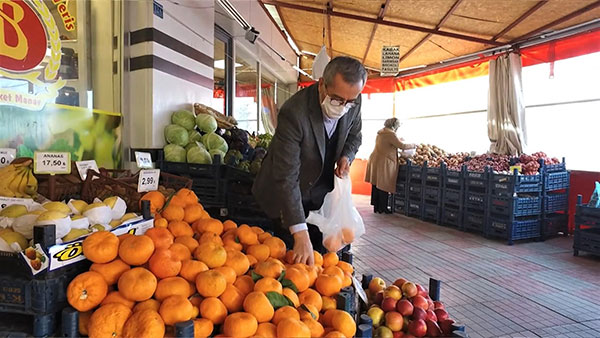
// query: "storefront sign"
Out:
[143,160]
[7,155]
[51,163]
[390,60]
[84,166]
[65,15]
[148,180]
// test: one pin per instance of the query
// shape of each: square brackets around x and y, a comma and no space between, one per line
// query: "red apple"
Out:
[438,305]
[409,289]
[441,314]
[405,307]
[399,282]
[392,291]
[394,321]
[388,304]
[430,304]
[446,326]
[431,315]
[420,301]
[417,328]
[419,313]
[433,330]
[378,298]
[376,284]
[422,291]
[398,334]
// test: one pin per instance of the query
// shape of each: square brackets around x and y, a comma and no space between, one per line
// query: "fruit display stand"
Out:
[60,187]
[587,229]
[555,199]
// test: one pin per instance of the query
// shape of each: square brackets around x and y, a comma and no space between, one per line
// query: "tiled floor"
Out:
[536,289]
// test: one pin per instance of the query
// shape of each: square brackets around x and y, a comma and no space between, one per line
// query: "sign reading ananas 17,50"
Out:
[26,29]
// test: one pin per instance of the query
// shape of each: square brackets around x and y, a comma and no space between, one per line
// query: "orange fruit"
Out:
[84,322]
[268,269]
[245,284]
[238,261]
[292,327]
[212,254]
[316,329]
[240,324]
[334,271]
[308,311]
[180,251]
[175,309]
[327,317]
[260,251]
[203,328]
[110,271]
[298,277]
[276,246]
[289,257]
[173,212]
[136,250]
[116,297]
[108,320]
[257,304]
[313,273]
[283,313]
[292,296]
[228,273]
[246,236]
[334,334]
[210,237]
[328,285]
[214,310]
[188,241]
[86,291]
[180,228]
[208,224]
[231,243]
[187,196]
[333,243]
[342,321]
[171,286]
[101,247]
[192,213]
[257,230]
[232,298]
[330,259]
[347,235]
[149,304]
[252,260]
[156,198]
[190,269]
[210,283]
[137,284]
[347,280]
[163,263]
[329,303]
[262,237]
[346,267]
[318,258]
[266,330]
[312,297]
[145,323]
[161,237]
[267,284]
[160,223]
[228,225]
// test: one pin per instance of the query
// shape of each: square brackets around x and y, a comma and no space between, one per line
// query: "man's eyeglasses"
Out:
[338,101]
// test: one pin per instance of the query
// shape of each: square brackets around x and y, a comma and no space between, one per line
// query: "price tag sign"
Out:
[7,155]
[148,180]
[84,166]
[143,160]
[51,163]
[361,293]
[6,201]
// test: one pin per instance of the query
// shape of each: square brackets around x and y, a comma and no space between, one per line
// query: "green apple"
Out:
[376,314]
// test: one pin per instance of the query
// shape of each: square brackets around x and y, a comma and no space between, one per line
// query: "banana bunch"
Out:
[17,180]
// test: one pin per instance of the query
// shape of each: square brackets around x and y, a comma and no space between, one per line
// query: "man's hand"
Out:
[343,167]
[303,249]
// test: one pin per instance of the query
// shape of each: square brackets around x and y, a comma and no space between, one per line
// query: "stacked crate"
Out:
[416,178]
[476,201]
[587,229]
[453,190]
[432,194]
[555,218]
[399,199]
[515,206]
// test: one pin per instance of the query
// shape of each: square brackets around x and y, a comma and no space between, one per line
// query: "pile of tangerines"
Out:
[232,281]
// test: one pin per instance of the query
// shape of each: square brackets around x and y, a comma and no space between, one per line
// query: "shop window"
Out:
[268,116]
[245,105]
[223,76]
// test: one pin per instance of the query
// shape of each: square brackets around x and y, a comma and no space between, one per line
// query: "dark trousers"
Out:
[379,200]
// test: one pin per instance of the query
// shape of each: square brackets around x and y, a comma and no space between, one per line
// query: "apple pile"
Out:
[405,309]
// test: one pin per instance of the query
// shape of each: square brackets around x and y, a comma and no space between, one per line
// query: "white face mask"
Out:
[331,111]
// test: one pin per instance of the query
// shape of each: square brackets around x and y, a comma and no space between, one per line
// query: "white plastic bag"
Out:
[338,219]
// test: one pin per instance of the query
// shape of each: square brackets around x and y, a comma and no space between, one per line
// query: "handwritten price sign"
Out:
[7,155]
[51,163]
[148,180]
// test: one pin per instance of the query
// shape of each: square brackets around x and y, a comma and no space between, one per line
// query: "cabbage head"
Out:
[217,152]
[198,155]
[175,134]
[194,135]
[184,118]
[213,141]
[174,153]
[206,123]
[194,144]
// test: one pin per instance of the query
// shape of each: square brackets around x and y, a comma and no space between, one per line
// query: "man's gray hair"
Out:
[351,69]
[392,123]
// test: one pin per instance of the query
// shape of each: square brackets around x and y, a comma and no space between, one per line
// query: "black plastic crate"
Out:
[235,174]
[555,225]
[554,181]
[452,197]
[508,185]
[587,240]
[453,178]
[415,209]
[211,192]
[243,205]
[477,180]
[474,222]
[476,201]
[402,174]
[415,172]
[556,202]
[415,190]
[432,194]
[512,229]
[23,326]
[433,175]
[399,205]
[431,213]
[30,297]
[451,217]
[525,205]
[401,189]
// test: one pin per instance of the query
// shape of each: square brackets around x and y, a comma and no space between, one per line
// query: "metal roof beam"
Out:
[525,15]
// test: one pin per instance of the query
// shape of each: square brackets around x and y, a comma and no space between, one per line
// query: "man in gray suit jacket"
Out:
[318,134]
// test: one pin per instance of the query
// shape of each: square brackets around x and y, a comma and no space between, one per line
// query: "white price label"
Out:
[148,180]
[6,201]
[7,155]
[84,166]
[361,293]
[143,160]
[51,163]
